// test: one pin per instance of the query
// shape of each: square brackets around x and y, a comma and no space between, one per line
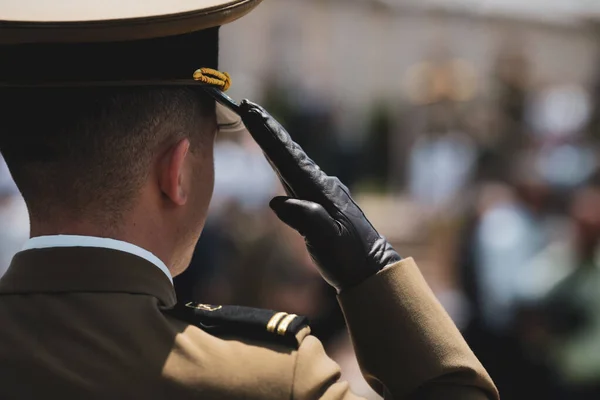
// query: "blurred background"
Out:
[468,130]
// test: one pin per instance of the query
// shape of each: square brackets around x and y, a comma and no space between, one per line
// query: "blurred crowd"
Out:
[508,187]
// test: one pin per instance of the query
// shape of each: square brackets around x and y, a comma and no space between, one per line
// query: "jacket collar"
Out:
[51,241]
[83,269]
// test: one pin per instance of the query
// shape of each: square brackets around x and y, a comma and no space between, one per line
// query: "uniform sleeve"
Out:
[406,344]
[316,376]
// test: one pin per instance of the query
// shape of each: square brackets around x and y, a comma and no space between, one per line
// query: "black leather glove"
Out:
[340,239]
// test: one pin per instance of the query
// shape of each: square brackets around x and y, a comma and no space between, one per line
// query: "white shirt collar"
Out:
[44,242]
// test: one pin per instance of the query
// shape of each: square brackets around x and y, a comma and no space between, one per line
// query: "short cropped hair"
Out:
[84,153]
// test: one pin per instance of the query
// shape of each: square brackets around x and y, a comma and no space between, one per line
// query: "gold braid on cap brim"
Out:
[214,78]
[215,84]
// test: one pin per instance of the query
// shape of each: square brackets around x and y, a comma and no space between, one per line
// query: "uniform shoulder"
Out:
[251,323]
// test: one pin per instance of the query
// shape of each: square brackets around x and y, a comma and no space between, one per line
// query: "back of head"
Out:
[83,153]
[105,121]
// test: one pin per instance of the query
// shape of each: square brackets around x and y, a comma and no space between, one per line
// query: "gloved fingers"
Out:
[301,176]
[310,219]
[288,190]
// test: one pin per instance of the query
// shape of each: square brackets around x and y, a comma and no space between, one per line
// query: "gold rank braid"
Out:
[212,77]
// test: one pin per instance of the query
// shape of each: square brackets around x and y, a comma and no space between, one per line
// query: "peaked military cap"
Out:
[84,21]
[65,43]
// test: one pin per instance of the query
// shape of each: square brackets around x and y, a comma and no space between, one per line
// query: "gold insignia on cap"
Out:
[203,307]
[274,321]
[285,323]
[212,77]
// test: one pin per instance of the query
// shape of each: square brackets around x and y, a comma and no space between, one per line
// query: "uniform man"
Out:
[108,131]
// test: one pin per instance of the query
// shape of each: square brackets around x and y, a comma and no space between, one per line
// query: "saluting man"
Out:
[107,125]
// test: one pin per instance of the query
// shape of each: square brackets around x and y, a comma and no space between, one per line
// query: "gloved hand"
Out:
[340,239]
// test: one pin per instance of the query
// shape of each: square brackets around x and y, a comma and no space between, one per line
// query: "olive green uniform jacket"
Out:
[89,323]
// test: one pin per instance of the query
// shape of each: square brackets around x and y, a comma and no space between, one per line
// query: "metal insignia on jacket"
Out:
[203,307]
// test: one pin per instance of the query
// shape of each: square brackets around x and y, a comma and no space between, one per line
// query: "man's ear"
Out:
[172,173]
